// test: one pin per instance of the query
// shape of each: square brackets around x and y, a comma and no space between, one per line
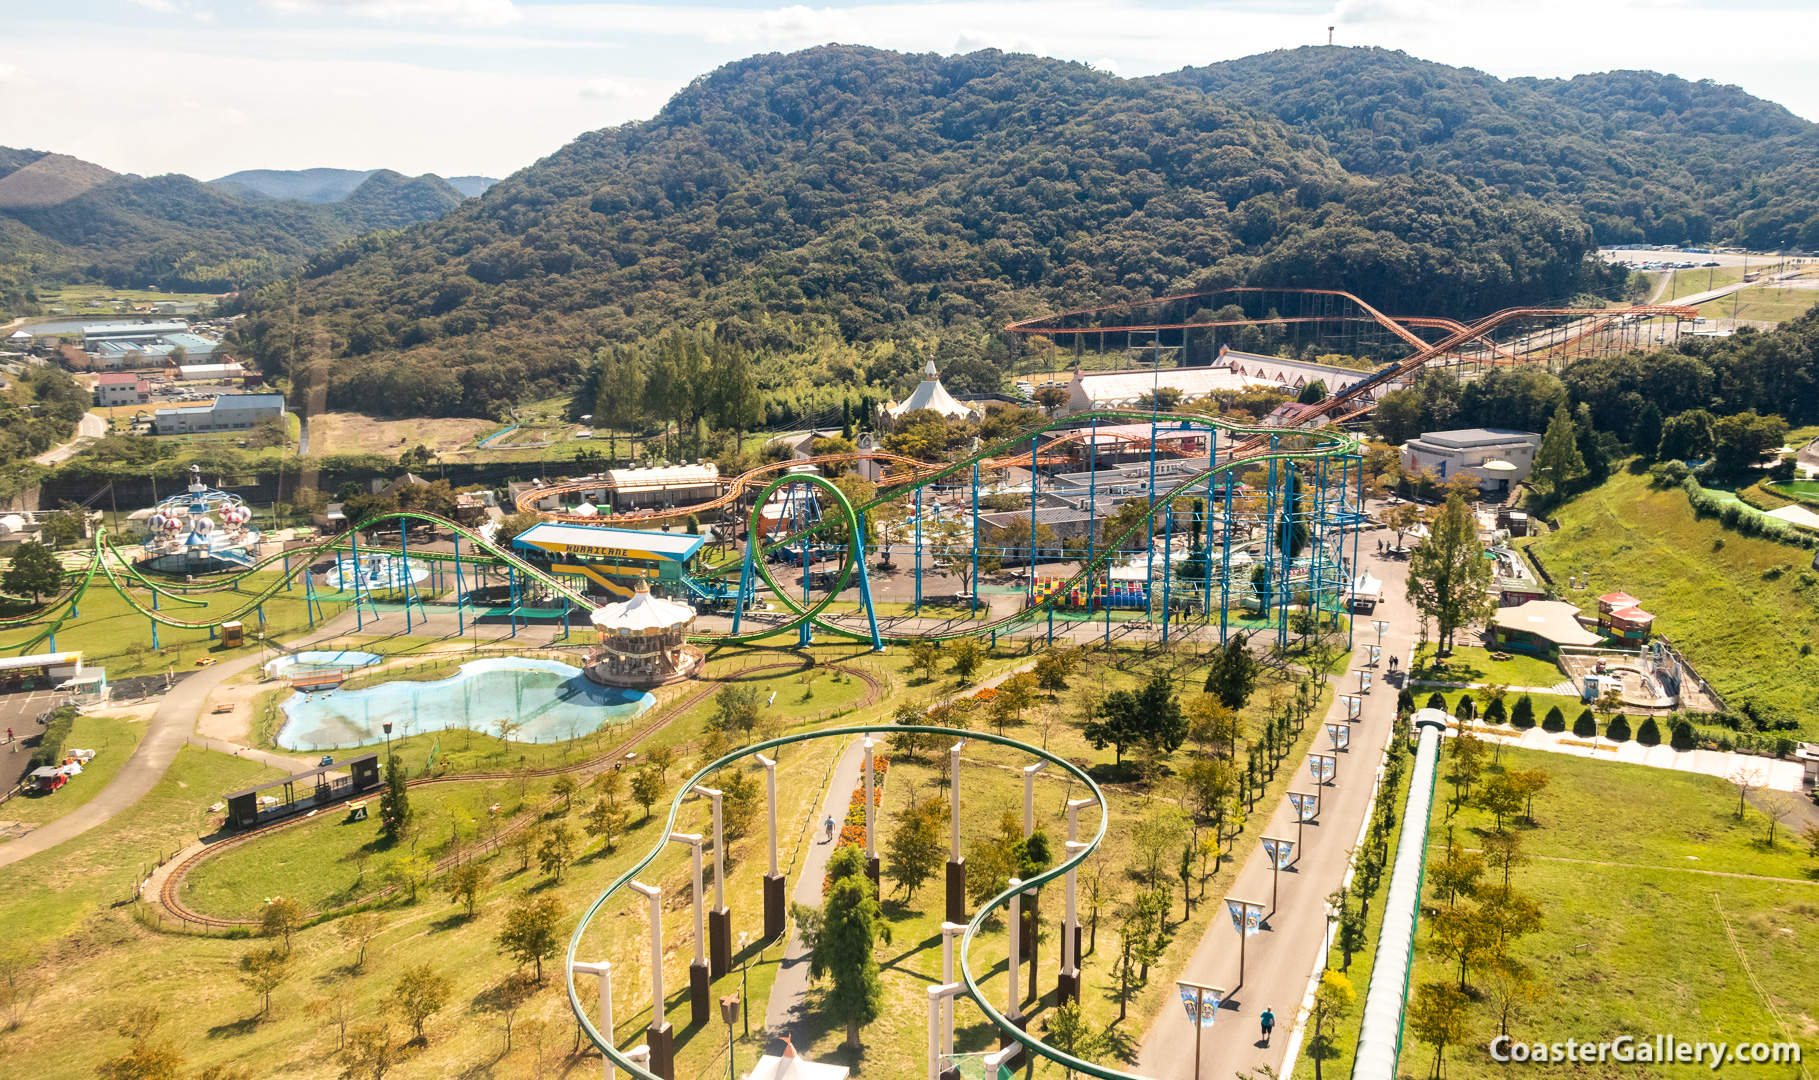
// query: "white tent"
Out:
[793,1066]
[930,394]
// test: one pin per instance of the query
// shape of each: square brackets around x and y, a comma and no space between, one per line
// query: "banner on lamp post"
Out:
[1340,734]
[1201,1003]
[1279,851]
[1304,805]
[1247,918]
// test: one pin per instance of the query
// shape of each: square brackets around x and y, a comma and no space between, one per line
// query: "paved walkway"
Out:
[1279,962]
[1559,689]
[1775,774]
[88,429]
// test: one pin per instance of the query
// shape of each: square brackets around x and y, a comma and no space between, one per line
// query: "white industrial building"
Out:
[231,412]
[1498,457]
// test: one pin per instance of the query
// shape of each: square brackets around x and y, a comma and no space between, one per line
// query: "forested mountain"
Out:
[922,200]
[331,185]
[1639,155]
[71,219]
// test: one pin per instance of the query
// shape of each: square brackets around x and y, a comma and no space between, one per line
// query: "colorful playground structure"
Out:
[200,531]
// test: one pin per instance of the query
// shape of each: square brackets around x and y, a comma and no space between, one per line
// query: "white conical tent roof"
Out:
[930,394]
[642,615]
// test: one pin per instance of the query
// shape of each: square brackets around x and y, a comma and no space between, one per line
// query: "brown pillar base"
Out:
[1067,988]
[662,1041]
[956,890]
[774,908]
[871,871]
[951,1074]
[719,942]
[700,995]
[1005,1042]
[1060,954]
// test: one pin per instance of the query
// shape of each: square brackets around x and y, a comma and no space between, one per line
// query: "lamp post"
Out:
[1067,986]
[1202,1005]
[744,962]
[871,820]
[1033,897]
[1278,852]
[388,739]
[1247,918]
[729,1012]
[1306,806]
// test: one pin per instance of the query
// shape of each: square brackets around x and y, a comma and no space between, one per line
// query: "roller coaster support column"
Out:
[1225,566]
[460,592]
[1013,1010]
[699,991]
[660,1036]
[1031,597]
[807,634]
[773,881]
[956,863]
[1168,553]
[604,970]
[404,560]
[918,552]
[1357,524]
[287,571]
[1029,935]
[720,919]
[1149,524]
[309,599]
[154,622]
[353,539]
[865,586]
[975,604]
[1092,510]
[748,589]
[1067,987]
[1206,524]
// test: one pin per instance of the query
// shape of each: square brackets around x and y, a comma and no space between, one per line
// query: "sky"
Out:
[462,87]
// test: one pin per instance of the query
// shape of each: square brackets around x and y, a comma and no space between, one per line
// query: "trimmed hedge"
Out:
[1744,519]
[56,730]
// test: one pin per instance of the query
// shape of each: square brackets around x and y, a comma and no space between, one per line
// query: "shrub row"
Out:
[1743,519]
[50,747]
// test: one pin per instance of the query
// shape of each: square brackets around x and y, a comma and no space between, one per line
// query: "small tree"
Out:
[264,970]
[280,919]
[925,656]
[604,821]
[1437,701]
[1437,1016]
[647,787]
[35,571]
[1554,721]
[1071,1034]
[1522,714]
[420,994]
[406,875]
[358,931]
[850,922]
[530,935]
[611,784]
[1558,461]
[556,850]
[1648,734]
[965,657]
[1232,677]
[564,788]
[916,847]
[1619,729]
[394,803]
[1683,737]
[1586,725]
[1333,1001]
[369,1053]
[464,883]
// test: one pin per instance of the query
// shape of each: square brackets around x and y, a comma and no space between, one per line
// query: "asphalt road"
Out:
[88,429]
[1279,961]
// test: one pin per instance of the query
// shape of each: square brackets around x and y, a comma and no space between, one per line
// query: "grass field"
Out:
[1627,864]
[1704,279]
[1739,607]
[1472,664]
[111,738]
[1764,303]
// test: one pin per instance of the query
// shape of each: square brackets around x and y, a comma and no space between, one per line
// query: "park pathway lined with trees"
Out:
[1279,960]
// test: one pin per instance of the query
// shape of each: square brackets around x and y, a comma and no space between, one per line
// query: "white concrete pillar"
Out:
[604,970]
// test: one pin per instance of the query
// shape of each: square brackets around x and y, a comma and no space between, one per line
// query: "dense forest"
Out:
[1642,157]
[176,233]
[919,201]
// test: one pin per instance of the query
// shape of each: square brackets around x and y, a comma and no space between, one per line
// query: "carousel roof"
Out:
[643,614]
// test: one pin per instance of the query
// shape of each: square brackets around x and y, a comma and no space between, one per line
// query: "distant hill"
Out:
[70,219]
[51,179]
[1641,156]
[471,186]
[304,185]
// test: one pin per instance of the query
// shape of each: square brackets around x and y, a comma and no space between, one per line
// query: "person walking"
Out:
[1269,1024]
[829,826]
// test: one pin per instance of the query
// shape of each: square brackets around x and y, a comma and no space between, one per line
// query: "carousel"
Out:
[199,531]
[642,642]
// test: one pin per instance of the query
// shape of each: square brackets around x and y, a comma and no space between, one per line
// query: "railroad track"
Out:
[169,902]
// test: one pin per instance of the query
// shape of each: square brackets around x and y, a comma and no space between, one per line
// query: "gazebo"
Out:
[642,643]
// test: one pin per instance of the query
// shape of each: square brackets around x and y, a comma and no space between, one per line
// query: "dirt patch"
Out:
[351,433]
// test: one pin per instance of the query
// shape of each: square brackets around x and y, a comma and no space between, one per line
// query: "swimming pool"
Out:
[284,666]
[549,699]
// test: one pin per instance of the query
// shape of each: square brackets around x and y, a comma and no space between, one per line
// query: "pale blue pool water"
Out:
[285,666]
[551,700]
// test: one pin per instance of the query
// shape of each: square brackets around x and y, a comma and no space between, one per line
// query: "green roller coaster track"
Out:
[1308,446]
[607,1045]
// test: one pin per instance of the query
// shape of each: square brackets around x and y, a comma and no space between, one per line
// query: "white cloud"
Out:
[157,5]
[1107,65]
[11,73]
[797,24]
[492,12]
[610,90]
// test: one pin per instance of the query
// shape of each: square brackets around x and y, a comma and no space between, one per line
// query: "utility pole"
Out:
[1329,35]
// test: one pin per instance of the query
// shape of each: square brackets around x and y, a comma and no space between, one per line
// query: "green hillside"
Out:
[1639,155]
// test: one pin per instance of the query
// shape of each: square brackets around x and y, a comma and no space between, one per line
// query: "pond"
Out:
[550,700]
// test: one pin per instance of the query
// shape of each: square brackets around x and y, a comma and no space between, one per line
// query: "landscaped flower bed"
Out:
[852,830]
